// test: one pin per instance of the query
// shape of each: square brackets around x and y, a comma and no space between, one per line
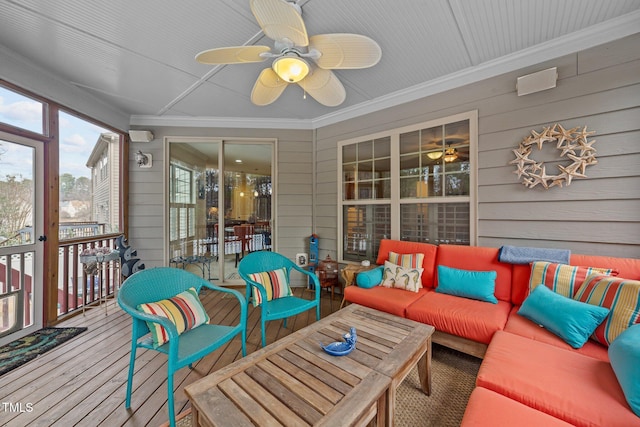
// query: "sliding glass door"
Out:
[220,204]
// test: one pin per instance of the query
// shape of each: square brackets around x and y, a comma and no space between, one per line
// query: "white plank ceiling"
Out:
[139,55]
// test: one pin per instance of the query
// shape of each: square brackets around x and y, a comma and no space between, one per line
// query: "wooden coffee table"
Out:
[294,382]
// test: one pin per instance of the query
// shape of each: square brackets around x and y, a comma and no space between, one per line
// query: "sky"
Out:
[77,137]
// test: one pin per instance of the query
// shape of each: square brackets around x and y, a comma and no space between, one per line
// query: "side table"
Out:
[349,273]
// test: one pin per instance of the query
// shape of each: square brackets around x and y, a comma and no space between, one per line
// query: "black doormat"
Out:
[31,346]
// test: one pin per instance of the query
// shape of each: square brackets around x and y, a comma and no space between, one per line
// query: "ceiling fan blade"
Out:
[232,55]
[268,87]
[280,21]
[325,87]
[343,51]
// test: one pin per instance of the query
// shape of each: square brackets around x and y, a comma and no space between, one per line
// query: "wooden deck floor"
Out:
[83,381]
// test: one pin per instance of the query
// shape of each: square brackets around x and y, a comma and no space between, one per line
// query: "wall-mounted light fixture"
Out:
[535,82]
[140,136]
[144,160]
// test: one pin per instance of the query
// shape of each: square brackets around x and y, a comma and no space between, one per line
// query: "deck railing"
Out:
[76,287]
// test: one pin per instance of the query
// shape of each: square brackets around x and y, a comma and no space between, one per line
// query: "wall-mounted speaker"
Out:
[535,82]
[140,136]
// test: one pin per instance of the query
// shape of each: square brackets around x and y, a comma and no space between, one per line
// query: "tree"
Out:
[82,190]
[67,185]
[16,205]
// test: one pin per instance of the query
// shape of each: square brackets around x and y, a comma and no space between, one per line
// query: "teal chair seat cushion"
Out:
[285,307]
[203,340]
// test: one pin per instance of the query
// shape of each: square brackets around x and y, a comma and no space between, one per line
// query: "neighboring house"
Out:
[73,208]
[104,163]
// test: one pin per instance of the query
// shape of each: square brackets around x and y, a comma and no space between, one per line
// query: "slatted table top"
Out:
[294,382]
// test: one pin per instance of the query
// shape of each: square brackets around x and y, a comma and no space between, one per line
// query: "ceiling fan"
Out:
[281,21]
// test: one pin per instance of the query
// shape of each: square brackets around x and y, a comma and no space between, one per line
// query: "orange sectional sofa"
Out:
[528,376]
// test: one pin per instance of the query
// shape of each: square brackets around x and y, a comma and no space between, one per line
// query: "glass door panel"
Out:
[20,237]
[193,200]
[247,201]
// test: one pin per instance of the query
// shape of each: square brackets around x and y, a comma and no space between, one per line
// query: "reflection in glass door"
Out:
[21,245]
[248,193]
[219,204]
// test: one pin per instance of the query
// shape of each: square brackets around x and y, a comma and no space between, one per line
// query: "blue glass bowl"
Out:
[338,348]
[342,348]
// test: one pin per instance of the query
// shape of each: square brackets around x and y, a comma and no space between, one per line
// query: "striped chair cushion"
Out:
[185,311]
[620,295]
[275,282]
[563,279]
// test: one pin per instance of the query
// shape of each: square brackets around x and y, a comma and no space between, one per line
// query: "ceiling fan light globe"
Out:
[291,69]
[450,154]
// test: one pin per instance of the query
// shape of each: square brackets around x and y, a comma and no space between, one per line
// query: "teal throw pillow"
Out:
[571,320]
[624,354]
[479,285]
[370,278]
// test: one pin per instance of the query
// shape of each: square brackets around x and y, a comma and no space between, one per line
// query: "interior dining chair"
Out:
[280,307]
[162,283]
[244,233]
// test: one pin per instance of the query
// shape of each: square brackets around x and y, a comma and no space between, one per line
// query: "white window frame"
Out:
[395,201]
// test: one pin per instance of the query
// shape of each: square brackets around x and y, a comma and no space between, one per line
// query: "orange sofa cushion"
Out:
[490,409]
[572,387]
[628,268]
[389,300]
[526,328]
[403,247]
[464,317]
[478,258]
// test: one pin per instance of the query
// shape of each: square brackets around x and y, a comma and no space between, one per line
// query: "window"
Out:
[181,191]
[21,111]
[414,183]
[367,170]
[182,224]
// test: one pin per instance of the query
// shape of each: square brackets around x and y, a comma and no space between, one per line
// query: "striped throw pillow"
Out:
[406,260]
[185,311]
[562,279]
[275,282]
[621,296]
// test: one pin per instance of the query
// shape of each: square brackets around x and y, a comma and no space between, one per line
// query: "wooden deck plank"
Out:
[83,381]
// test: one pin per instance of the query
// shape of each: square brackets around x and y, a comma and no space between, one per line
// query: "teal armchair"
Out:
[280,308]
[182,350]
